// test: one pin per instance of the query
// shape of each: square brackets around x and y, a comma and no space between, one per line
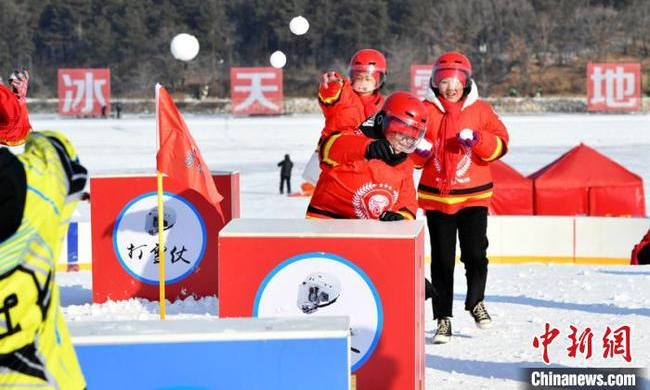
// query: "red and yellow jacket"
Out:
[645,241]
[472,184]
[362,189]
[343,108]
[14,120]
[341,147]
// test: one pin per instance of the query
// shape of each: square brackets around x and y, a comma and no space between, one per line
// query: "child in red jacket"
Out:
[456,186]
[375,188]
[347,103]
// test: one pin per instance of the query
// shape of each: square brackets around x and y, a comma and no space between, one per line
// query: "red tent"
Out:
[585,182]
[513,192]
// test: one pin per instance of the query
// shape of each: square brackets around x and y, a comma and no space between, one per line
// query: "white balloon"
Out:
[184,47]
[299,25]
[278,59]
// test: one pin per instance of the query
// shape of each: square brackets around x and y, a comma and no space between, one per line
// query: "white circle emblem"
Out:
[321,284]
[135,238]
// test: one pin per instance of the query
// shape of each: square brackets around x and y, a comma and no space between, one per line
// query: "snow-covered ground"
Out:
[521,298]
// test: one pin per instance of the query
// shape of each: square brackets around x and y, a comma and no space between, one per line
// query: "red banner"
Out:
[613,87]
[282,258]
[84,92]
[420,75]
[256,91]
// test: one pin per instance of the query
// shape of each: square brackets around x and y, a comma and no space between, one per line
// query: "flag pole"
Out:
[161,218]
[161,247]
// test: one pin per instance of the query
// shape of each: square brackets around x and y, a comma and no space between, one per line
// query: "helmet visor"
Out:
[456,78]
[402,136]
[361,72]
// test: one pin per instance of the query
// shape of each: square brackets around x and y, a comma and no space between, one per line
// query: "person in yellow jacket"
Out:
[39,190]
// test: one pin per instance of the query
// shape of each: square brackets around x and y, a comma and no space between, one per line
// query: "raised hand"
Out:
[468,138]
[19,81]
[327,77]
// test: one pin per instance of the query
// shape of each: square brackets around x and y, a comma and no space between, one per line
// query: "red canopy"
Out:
[585,182]
[513,192]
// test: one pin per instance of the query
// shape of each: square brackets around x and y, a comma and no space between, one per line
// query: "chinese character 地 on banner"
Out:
[613,87]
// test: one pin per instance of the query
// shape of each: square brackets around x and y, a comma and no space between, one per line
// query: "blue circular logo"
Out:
[135,238]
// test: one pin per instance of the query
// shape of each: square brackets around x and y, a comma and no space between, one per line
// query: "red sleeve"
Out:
[343,110]
[14,119]
[407,203]
[493,143]
[342,147]
[638,247]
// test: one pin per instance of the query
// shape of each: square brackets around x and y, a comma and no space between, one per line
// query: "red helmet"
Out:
[403,113]
[452,64]
[370,61]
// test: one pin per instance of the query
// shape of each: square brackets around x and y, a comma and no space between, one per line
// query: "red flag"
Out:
[178,156]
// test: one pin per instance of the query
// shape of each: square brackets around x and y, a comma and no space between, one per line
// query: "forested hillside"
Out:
[526,46]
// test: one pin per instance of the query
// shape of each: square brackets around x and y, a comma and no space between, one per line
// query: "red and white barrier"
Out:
[586,240]
[371,271]
[513,239]
[125,244]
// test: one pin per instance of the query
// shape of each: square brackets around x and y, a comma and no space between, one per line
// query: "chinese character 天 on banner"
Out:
[613,87]
[256,91]
[84,92]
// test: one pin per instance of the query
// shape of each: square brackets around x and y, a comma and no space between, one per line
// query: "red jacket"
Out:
[472,185]
[645,241]
[363,189]
[341,147]
[14,120]
[343,108]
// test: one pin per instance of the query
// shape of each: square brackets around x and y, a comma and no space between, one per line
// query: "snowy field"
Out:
[521,298]
[518,298]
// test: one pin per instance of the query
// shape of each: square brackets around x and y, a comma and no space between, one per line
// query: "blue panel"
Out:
[314,364]
[73,243]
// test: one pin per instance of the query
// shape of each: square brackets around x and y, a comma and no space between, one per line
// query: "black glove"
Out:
[381,149]
[390,216]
